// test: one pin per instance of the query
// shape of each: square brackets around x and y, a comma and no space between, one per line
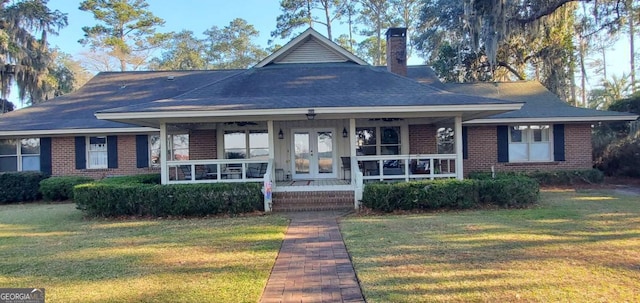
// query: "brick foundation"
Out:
[312,200]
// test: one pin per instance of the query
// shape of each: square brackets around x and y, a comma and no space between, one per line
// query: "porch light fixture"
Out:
[280,134]
[344,132]
[311,114]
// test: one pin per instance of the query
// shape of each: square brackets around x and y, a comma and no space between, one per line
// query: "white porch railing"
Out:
[407,167]
[213,171]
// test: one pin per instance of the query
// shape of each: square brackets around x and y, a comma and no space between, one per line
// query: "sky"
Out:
[200,15]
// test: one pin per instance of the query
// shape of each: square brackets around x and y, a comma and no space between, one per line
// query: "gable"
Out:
[310,51]
[310,47]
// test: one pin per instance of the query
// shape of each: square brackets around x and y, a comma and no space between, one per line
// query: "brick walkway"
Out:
[313,264]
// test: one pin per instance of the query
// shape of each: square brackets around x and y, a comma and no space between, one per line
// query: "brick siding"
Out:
[422,139]
[203,144]
[63,159]
[483,151]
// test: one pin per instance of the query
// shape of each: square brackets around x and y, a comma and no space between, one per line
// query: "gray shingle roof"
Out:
[107,90]
[539,101]
[308,85]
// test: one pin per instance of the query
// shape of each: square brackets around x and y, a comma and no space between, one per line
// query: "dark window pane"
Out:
[8,164]
[366,150]
[8,147]
[390,135]
[98,140]
[516,134]
[390,150]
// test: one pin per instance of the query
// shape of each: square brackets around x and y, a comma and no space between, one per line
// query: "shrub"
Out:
[167,200]
[621,158]
[20,186]
[568,177]
[556,177]
[135,179]
[515,191]
[61,188]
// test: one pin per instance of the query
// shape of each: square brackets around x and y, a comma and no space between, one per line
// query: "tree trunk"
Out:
[378,31]
[583,72]
[631,47]
[326,15]
[123,65]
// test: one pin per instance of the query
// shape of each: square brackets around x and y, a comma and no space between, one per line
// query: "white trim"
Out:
[164,169]
[457,132]
[313,143]
[304,111]
[552,119]
[78,131]
[310,32]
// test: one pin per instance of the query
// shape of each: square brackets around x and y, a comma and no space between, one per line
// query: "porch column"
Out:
[356,176]
[352,149]
[164,170]
[458,134]
[272,143]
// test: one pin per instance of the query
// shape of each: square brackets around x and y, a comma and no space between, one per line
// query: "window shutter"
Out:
[503,143]
[112,151]
[558,142]
[45,155]
[81,153]
[142,151]
[465,144]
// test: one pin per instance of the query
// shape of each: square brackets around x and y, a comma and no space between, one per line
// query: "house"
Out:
[312,121]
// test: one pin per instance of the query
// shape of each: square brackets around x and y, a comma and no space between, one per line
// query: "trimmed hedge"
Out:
[450,194]
[559,177]
[509,192]
[20,186]
[106,199]
[135,179]
[61,188]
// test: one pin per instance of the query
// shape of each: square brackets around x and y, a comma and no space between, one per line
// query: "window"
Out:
[20,155]
[446,140]
[178,148]
[97,152]
[387,143]
[530,143]
[246,144]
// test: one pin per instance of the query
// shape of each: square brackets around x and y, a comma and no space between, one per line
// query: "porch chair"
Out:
[346,166]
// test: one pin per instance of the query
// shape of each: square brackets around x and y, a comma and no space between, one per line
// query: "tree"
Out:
[406,12]
[66,74]
[183,52]
[127,30]
[374,15]
[24,53]
[297,13]
[231,46]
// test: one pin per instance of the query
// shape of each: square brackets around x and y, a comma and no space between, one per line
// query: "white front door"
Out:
[313,156]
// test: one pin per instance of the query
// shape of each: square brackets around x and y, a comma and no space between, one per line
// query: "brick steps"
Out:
[312,200]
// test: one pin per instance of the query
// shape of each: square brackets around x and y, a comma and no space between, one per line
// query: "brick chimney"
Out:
[397,50]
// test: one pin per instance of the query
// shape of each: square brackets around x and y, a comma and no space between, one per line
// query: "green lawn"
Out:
[573,247]
[146,260]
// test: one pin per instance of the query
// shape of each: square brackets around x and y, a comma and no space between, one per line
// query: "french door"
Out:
[313,156]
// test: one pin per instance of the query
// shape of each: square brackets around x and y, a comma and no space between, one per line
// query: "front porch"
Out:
[328,155]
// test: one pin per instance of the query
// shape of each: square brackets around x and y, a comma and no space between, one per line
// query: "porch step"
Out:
[312,200]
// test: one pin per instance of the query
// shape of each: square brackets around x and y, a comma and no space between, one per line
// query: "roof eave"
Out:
[77,131]
[553,119]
